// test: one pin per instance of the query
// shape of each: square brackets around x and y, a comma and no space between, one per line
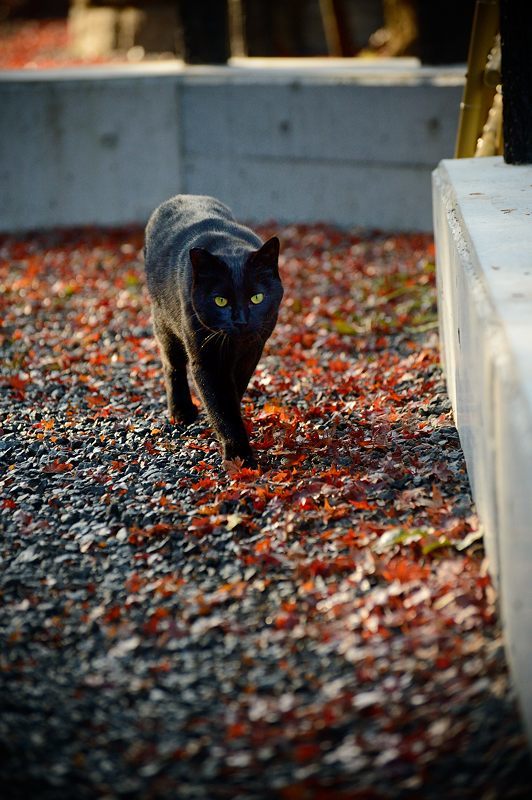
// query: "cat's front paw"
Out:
[240,454]
[181,416]
[250,462]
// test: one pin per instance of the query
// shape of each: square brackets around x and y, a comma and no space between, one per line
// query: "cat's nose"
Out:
[239,324]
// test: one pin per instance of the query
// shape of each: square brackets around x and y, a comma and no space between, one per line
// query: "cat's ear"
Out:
[269,252]
[268,256]
[203,262]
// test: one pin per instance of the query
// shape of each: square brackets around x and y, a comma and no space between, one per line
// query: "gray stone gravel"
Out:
[172,630]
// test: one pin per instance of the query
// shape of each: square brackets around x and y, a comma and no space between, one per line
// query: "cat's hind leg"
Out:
[181,409]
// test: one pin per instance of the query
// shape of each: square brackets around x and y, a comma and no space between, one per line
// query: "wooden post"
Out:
[205,31]
[516,45]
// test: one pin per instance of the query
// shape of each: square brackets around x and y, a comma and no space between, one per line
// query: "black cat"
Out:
[215,292]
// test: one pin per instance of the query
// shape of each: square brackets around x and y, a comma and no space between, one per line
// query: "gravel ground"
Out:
[173,627]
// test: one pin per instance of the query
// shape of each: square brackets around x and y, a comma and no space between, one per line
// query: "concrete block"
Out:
[86,152]
[347,121]
[483,226]
[92,31]
[155,32]
[339,141]
[390,197]
[350,148]
[101,31]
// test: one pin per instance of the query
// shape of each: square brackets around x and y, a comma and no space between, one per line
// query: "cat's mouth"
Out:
[239,329]
[244,335]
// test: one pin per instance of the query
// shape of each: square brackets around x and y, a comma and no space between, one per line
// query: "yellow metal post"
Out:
[477,97]
[331,27]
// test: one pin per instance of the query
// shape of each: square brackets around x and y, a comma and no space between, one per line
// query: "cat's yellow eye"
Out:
[257,298]
[221,301]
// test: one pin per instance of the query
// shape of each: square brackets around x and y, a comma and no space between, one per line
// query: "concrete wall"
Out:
[351,145]
[483,227]
[75,152]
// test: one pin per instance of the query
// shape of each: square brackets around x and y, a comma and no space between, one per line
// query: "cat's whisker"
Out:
[223,344]
[211,338]
[216,339]
[202,328]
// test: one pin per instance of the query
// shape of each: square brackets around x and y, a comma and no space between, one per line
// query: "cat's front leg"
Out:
[222,403]
[181,409]
[244,369]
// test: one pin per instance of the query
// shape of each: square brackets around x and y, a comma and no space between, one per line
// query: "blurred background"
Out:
[40,33]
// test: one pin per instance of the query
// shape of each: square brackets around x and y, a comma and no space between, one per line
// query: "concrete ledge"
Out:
[348,142]
[483,228]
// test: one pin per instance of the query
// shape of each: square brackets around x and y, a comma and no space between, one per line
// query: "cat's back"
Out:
[187,221]
[170,234]
[184,210]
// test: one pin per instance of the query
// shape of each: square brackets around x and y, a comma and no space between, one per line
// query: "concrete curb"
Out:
[483,228]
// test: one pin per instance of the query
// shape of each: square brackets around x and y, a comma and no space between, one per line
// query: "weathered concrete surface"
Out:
[78,152]
[483,226]
[342,142]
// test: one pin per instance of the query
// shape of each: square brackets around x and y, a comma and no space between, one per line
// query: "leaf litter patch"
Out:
[323,627]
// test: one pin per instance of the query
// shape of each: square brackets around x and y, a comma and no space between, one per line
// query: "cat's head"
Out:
[241,300]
